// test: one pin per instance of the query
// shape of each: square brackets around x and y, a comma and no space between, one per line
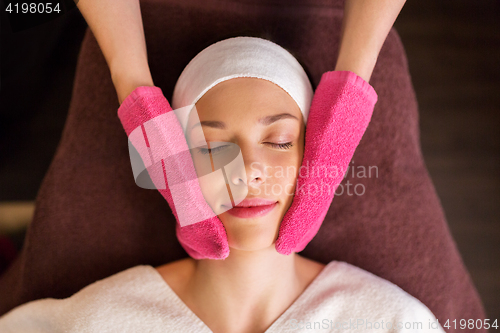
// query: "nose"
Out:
[254,172]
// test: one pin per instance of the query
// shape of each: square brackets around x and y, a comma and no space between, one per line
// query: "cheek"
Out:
[282,171]
[212,184]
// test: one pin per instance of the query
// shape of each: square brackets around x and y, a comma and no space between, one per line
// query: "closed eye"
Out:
[286,145]
[206,151]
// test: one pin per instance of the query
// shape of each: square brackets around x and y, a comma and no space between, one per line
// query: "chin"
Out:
[251,247]
[250,234]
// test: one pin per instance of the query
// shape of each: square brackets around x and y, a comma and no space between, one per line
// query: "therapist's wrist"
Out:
[362,66]
[128,79]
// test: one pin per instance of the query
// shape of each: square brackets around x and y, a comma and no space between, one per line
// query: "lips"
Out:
[252,207]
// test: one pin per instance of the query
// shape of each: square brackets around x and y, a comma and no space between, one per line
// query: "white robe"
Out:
[341,298]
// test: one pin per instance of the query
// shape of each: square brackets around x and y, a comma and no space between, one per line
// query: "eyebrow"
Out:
[268,120]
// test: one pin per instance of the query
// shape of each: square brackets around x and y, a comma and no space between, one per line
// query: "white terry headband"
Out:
[241,57]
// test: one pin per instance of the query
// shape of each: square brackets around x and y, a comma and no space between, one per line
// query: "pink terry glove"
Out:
[340,111]
[203,240]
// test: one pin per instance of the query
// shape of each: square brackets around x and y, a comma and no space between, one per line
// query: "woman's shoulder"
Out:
[126,282]
[99,297]
[347,289]
[348,279]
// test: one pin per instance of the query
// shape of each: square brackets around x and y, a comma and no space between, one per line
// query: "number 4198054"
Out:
[471,323]
[32,8]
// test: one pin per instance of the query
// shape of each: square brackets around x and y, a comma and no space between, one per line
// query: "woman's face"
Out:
[266,124]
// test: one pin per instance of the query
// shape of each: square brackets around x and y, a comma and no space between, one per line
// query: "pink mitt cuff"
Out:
[141,105]
[363,87]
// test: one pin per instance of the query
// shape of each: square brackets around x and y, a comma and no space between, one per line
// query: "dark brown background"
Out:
[453,50]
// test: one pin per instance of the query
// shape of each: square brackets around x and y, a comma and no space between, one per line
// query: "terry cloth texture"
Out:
[206,239]
[340,112]
[341,298]
[91,219]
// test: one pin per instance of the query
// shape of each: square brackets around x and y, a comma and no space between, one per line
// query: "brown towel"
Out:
[92,221]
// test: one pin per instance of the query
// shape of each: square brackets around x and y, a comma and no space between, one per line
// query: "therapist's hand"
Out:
[341,109]
[339,115]
[154,130]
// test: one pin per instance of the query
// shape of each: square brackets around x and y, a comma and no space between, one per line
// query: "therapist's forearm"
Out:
[365,27]
[118,29]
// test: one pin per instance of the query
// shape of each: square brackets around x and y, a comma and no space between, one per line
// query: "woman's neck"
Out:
[249,289]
